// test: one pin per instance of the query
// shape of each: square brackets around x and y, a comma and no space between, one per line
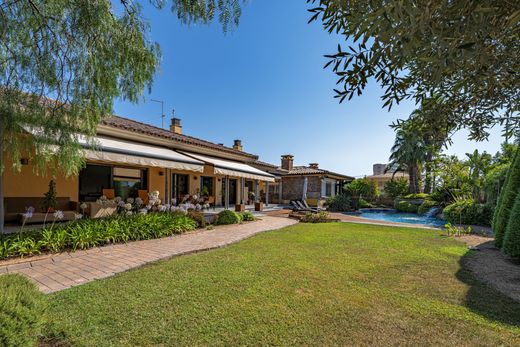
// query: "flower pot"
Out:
[259,206]
[240,208]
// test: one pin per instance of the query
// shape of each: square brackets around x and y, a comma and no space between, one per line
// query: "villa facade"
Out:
[131,157]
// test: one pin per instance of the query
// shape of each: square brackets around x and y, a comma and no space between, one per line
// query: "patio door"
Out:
[180,186]
[232,192]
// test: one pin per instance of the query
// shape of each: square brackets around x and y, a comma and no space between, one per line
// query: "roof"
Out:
[147,129]
[306,170]
[389,175]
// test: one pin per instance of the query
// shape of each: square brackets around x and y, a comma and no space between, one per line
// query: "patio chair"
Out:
[306,208]
[211,201]
[312,208]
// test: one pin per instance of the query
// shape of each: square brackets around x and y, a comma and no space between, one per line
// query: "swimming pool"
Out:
[401,217]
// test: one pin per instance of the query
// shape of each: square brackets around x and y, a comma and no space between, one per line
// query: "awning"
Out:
[126,152]
[233,168]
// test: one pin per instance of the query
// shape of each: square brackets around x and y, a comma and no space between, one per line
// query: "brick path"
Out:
[65,270]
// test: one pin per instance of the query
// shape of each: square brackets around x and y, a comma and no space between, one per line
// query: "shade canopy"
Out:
[126,152]
[233,168]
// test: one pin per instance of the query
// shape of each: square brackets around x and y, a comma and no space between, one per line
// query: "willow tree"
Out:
[465,52]
[63,62]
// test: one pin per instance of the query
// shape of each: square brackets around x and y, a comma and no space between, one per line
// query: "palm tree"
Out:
[479,164]
[408,152]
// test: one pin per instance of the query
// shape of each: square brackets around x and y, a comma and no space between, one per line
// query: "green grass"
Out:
[308,284]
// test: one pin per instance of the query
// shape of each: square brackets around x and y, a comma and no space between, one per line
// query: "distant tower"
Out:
[379,169]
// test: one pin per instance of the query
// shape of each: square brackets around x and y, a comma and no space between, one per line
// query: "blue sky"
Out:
[264,83]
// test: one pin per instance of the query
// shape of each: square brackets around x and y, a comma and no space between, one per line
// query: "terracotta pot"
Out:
[240,208]
[259,206]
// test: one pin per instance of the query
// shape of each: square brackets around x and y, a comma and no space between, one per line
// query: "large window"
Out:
[328,189]
[125,181]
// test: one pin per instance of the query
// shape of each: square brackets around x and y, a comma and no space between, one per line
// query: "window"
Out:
[328,189]
[128,181]
[92,180]
[206,186]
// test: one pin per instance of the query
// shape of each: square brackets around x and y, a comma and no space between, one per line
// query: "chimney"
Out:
[314,165]
[237,144]
[378,169]
[287,162]
[176,126]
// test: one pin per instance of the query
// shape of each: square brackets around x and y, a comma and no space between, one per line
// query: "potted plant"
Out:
[49,199]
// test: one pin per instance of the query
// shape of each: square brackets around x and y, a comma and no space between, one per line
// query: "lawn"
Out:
[308,284]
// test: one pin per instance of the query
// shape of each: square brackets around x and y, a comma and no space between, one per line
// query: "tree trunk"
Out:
[413,179]
[1,181]
[428,173]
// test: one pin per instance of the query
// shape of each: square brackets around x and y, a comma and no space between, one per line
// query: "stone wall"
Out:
[292,187]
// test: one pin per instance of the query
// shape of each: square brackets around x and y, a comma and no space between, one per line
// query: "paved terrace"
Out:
[60,271]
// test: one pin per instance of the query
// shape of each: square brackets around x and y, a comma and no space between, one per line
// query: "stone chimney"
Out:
[314,165]
[237,144]
[176,126]
[287,162]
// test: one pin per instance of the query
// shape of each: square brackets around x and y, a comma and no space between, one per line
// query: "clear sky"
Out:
[264,83]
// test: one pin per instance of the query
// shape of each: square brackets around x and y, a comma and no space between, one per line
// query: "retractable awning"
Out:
[126,152]
[233,168]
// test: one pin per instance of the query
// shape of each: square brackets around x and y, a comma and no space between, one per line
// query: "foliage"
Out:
[415,196]
[479,164]
[320,217]
[362,188]
[409,152]
[468,212]
[21,311]
[511,245]
[406,206]
[87,233]
[426,206]
[228,217]
[396,187]
[494,182]
[49,198]
[339,203]
[463,52]
[453,180]
[506,201]
[198,217]
[457,230]
[247,216]
[288,273]
[362,203]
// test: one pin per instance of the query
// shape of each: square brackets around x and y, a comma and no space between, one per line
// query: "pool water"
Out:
[402,217]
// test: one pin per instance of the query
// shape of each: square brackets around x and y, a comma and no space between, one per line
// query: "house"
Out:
[291,181]
[381,174]
[131,157]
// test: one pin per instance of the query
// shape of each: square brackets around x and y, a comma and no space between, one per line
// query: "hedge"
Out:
[506,201]
[228,217]
[468,212]
[339,203]
[21,311]
[406,206]
[512,236]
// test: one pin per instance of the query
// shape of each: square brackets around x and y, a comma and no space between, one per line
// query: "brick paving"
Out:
[57,272]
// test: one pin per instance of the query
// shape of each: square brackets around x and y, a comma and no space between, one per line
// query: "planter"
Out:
[240,207]
[259,206]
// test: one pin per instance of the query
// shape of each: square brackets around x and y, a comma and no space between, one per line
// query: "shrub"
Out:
[426,206]
[416,196]
[512,235]
[506,201]
[339,203]
[396,187]
[468,212]
[320,217]
[21,311]
[365,204]
[87,233]
[406,206]
[362,187]
[228,217]
[247,216]
[198,217]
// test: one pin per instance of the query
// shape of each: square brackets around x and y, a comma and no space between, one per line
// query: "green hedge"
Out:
[406,206]
[426,206]
[21,311]
[416,196]
[89,233]
[468,212]
[506,201]
[339,203]
[512,235]
[247,216]
[228,217]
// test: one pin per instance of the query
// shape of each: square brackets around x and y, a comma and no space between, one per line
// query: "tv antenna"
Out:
[162,111]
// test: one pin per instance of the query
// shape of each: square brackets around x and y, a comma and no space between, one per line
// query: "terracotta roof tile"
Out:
[147,129]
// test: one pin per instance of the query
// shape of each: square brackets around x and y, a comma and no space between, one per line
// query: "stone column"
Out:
[266,193]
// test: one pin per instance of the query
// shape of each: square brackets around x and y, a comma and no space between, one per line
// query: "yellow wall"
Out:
[26,183]
[157,182]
